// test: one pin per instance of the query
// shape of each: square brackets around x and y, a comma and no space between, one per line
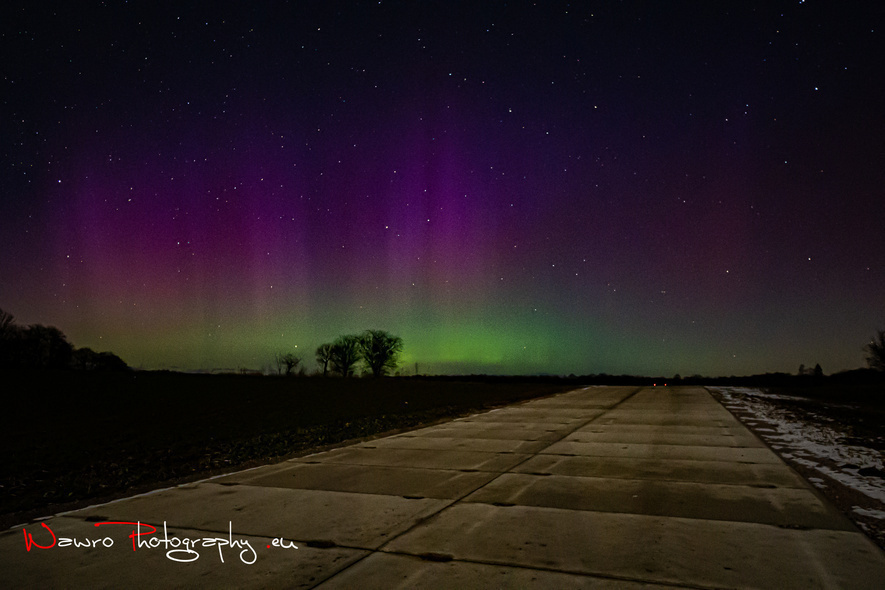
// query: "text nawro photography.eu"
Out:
[143,536]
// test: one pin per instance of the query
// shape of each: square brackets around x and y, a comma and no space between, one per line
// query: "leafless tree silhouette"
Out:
[876,352]
[380,351]
[287,360]
[345,354]
[324,356]
[6,324]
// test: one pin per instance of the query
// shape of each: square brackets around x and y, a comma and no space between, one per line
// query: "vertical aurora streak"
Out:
[510,188]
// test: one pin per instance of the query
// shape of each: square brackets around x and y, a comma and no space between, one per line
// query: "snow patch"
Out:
[877,514]
[808,444]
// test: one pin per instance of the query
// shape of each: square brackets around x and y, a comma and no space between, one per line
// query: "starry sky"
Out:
[511,187]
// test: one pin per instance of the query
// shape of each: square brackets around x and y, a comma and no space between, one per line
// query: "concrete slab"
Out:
[664,452]
[725,472]
[671,395]
[529,428]
[613,435]
[475,430]
[599,427]
[486,445]
[611,487]
[382,571]
[680,551]
[343,519]
[363,479]
[666,418]
[650,413]
[599,396]
[564,416]
[118,566]
[472,460]
[582,402]
[665,415]
[570,404]
[788,507]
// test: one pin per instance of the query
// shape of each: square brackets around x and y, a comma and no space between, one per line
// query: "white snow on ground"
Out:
[877,514]
[807,443]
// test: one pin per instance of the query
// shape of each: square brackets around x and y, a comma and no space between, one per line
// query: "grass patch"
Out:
[72,438]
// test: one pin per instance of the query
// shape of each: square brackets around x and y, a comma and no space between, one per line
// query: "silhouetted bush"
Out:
[86,359]
[35,347]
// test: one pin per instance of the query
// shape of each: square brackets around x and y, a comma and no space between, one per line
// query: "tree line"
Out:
[42,347]
[375,351]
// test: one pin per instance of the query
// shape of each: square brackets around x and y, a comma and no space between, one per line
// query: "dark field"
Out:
[856,412]
[73,439]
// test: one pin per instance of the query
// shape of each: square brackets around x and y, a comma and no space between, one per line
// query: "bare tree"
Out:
[324,356]
[287,360]
[345,354]
[380,351]
[278,362]
[876,352]
[6,324]
[10,345]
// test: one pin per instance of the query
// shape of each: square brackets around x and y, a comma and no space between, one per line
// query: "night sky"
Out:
[519,187]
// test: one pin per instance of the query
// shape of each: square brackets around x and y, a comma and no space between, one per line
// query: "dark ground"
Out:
[75,439]
[850,417]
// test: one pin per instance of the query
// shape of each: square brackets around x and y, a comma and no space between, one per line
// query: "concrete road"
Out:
[603,487]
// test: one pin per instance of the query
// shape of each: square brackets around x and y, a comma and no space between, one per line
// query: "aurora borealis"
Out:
[550,187]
